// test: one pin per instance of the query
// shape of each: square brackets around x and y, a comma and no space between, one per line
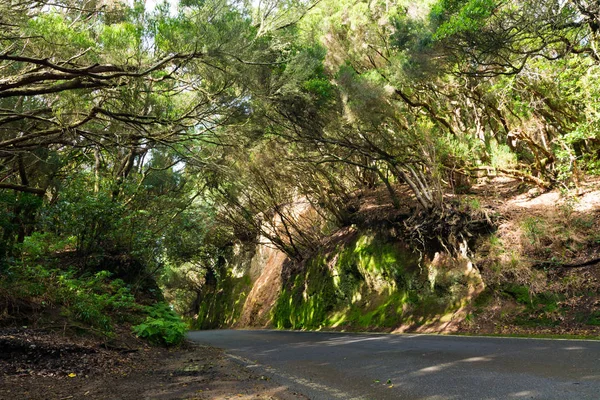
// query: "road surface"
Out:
[375,366]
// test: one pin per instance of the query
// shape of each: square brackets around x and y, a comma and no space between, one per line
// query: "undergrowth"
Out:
[48,297]
[161,326]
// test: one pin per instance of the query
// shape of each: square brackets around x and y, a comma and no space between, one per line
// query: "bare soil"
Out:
[40,365]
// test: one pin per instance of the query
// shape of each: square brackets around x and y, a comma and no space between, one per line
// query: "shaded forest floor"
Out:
[36,365]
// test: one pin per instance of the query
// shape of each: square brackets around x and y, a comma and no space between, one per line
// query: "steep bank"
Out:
[535,274]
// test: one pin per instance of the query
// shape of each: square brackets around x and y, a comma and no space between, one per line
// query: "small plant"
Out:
[533,228]
[495,244]
[472,203]
[162,326]
[501,156]
[519,293]
[593,319]
[584,222]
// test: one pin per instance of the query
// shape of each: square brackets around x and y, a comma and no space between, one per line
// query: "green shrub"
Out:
[519,293]
[94,299]
[162,326]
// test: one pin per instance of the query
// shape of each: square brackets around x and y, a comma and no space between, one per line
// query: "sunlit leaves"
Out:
[461,16]
[118,42]
[58,32]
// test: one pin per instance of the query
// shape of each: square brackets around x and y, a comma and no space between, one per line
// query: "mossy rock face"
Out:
[221,307]
[307,301]
[383,266]
[370,283]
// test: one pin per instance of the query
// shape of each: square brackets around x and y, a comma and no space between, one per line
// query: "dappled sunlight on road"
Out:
[433,367]
[572,348]
[529,394]
[349,340]
[440,367]
[590,378]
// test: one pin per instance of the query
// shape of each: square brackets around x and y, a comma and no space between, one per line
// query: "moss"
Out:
[307,302]
[519,293]
[541,309]
[547,302]
[588,318]
[344,287]
[484,298]
[370,283]
[540,320]
[382,264]
[594,319]
[222,306]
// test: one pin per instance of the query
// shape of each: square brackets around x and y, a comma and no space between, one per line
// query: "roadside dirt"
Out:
[40,366]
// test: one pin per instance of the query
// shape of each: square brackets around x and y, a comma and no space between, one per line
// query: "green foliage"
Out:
[484,298]
[56,26]
[96,300]
[501,156]
[541,309]
[320,88]
[306,304]
[222,301]
[592,318]
[17,218]
[463,16]
[162,326]
[520,293]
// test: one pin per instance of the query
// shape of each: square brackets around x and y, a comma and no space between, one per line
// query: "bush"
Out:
[95,299]
[162,326]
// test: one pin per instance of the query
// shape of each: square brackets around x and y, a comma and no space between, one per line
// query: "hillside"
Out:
[536,271]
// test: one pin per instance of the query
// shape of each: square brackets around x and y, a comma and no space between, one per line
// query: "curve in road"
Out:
[326,365]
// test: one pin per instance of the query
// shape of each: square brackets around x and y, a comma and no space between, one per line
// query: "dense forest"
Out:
[140,145]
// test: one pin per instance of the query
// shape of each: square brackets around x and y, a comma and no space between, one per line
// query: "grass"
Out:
[588,319]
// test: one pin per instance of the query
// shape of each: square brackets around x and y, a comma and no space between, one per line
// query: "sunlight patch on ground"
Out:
[344,341]
[525,393]
[574,348]
[590,378]
[441,367]
[546,199]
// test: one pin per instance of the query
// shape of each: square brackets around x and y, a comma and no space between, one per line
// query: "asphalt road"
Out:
[374,366]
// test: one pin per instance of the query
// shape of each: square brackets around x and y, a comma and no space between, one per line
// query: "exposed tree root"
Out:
[582,264]
[448,227]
